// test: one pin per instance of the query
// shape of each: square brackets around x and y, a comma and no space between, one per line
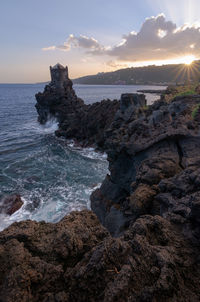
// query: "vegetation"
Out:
[195,111]
[161,75]
[146,107]
[186,90]
[180,90]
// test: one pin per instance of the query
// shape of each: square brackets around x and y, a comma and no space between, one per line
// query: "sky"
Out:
[91,36]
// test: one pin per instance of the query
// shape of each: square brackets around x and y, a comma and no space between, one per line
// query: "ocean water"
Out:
[52,176]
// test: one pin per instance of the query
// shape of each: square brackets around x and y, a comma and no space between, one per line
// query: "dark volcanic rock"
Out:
[58,97]
[84,123]
[10,204]
[150,203]
[77,260]
[88,124]
[146,148]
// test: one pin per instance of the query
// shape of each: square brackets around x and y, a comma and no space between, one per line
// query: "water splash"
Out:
[50,126]
[34,127]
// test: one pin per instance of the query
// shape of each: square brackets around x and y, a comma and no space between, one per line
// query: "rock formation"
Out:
[152,154]
[10,204]
[77,260]
[58,97]
[84,123]
[145,246]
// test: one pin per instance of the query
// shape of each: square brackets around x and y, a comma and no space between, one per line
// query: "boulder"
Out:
[10,204]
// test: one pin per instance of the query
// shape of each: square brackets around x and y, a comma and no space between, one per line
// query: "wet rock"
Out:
[34,204]
[10,204]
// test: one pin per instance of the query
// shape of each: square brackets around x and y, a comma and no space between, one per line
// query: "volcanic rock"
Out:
[84,123]
[77,260]
[10,204]
[146,149]
[146,244]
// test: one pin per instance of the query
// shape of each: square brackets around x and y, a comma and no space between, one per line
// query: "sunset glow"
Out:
[189,59]
[150,33]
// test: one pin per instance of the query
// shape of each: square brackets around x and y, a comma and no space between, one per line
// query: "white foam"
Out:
[35,127]
[87,152]
[65,194]
[50,126]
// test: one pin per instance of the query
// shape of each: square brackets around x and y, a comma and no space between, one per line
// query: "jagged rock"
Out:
[129,105]
[84,123]
[77,260]
[145,151]
[10,204]
[149,203]
[58,97]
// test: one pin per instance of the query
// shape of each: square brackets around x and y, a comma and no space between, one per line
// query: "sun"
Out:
[187,60]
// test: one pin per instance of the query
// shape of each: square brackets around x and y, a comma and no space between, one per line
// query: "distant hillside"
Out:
[151,75]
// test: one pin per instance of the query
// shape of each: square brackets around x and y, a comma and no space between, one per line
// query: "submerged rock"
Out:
[10,204]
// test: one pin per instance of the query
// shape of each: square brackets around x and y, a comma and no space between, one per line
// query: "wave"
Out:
[54,177]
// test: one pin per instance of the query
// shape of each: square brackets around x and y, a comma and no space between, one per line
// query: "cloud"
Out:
[157,39]
[84,42]
[49,48]
[115,64]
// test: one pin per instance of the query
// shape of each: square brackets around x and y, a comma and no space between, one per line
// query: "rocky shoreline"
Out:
[142,240]
[154,91]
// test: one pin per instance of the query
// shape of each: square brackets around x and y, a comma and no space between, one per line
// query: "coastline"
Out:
[144,246]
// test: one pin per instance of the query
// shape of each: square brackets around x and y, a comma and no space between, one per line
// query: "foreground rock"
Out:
[77,260]
[10,204]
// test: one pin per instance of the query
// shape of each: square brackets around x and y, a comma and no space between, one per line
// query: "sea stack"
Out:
[83,123]
[57,95]
[59,78]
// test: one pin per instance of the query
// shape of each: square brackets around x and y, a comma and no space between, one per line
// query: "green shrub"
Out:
[195,111]
[145,107]
[187,92]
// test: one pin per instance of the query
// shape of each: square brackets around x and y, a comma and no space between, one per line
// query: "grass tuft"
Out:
[195,111]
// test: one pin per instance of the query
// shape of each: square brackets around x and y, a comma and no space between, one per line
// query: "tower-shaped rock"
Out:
[58,96]
[59,78]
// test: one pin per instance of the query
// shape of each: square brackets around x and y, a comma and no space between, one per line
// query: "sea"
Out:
[52,175]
